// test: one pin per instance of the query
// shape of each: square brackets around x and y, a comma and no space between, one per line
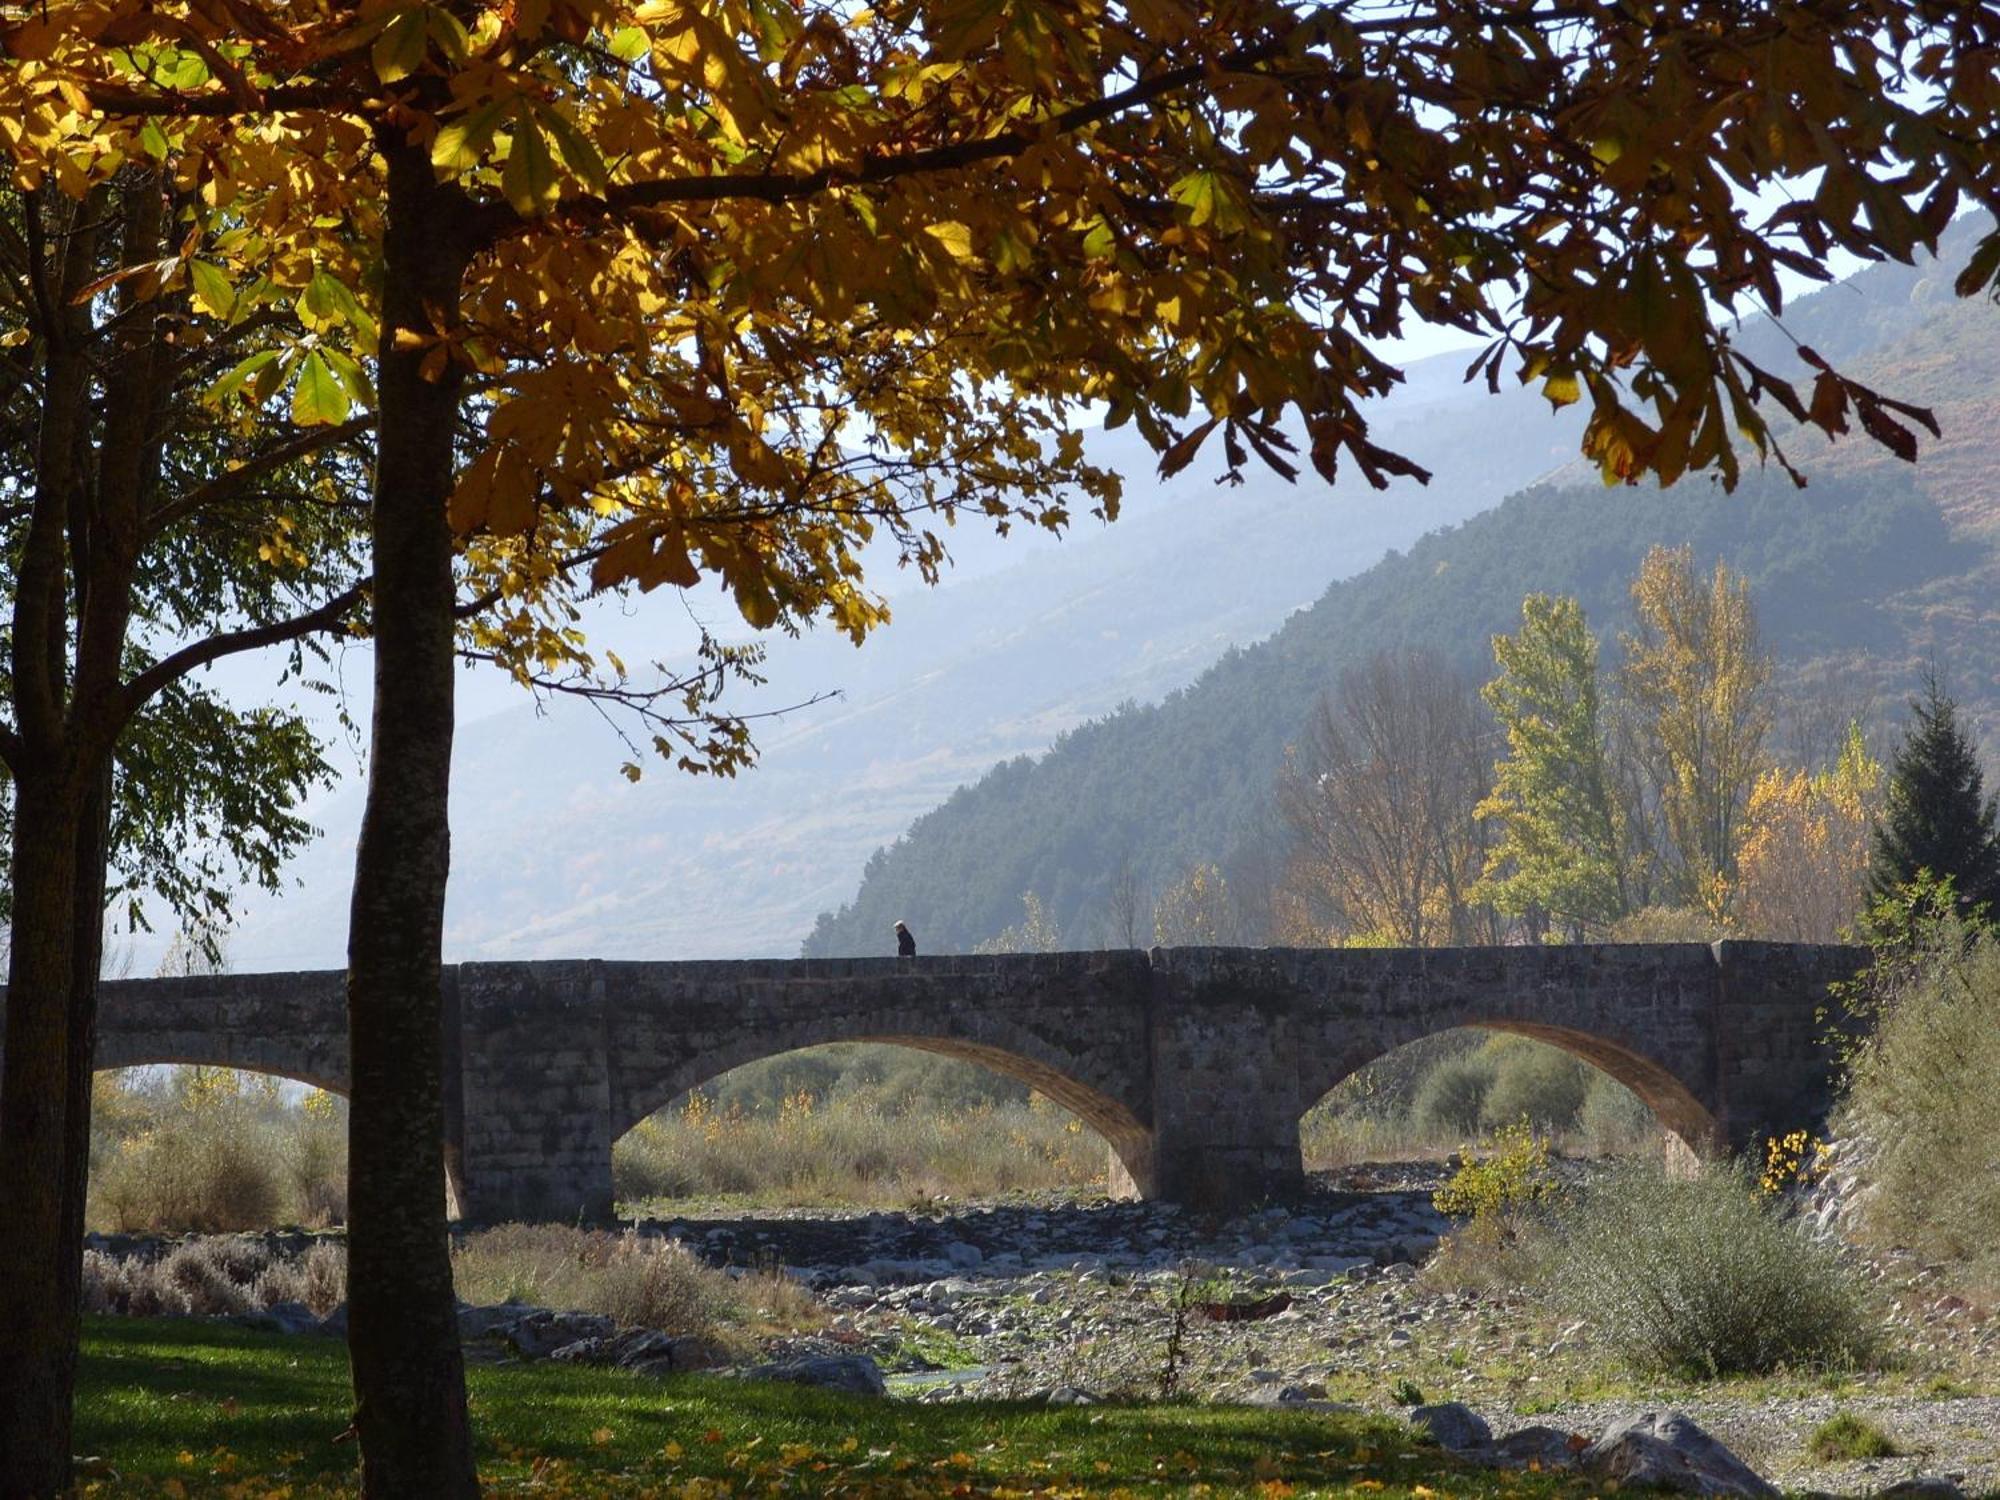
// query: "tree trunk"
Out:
[409,1374]
[38,1256]
[93,854]
[38,1324]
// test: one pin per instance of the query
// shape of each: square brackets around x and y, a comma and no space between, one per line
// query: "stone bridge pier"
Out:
[1194,1064]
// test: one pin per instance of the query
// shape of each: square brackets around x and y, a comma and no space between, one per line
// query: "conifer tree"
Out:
[1939,817]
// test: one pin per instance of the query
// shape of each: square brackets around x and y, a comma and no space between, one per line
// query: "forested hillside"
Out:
[1870,570]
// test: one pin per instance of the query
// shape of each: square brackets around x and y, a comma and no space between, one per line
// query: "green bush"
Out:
[1846,1436]
[1666,924]
[1704,1276]
[1535,1082]
[1614,1120]
[1923,1093]
[1452,1098]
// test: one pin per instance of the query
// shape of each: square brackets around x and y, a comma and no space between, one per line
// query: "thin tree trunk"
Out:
[93,854]
[38,1325]
[409,1373]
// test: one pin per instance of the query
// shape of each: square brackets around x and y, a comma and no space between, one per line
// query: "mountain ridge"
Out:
[1923,537]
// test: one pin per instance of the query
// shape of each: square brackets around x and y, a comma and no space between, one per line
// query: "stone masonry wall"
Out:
[1195,1064]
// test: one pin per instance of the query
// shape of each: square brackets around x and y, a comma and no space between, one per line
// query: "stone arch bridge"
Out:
[1195,1064]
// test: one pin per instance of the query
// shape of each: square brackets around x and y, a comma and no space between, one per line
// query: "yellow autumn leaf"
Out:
[954,237]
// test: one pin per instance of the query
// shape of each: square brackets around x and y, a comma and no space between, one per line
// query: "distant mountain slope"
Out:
[1874,566]
[1189,778]
[554,854]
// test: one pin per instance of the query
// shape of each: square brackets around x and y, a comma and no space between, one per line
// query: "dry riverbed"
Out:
[1073,1302]
[1077,1302]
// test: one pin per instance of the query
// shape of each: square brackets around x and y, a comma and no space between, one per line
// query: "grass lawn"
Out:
[189,1408]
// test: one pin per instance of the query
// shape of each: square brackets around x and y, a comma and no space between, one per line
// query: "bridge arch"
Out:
[1681,1114]
[1127,1136]
[273,1057]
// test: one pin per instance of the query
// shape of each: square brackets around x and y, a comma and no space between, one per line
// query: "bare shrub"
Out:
[855,1146]
[107,1283]
[1504,1197]
[315,1156]
[210,1151]
[318,1279]
[189,1175]
[1614,1120]
[208,1278]
[637,1281]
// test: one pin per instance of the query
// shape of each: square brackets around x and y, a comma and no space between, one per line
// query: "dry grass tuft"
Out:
[636,1281]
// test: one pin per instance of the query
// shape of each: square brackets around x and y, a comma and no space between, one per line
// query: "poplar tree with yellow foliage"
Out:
[1696,683]
[726,289]
[1802,869]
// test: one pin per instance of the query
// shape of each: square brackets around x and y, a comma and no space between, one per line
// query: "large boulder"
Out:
[281,1317]
[1922,1487]
[1452,1425]
[538,1334]
[1534,1448]
[1668,1451]
[490,1319]
[856,1374]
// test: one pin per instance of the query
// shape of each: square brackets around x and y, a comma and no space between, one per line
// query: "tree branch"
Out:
[213,648]
[228,485]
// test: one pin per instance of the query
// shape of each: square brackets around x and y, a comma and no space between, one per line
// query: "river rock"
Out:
[1921,1487]
[856,1374]
[281,1317]
[1669,1451]
[1452,1425]
[539,1334]
[1533,1448]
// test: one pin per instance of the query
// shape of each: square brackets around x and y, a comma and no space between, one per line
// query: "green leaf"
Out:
[630,43]
[399,50]
[1211,198]
[459,144]
[328,300]
[265,382]
[212,293]
[318,397]
[352,378]
[153,140]
[235,380]
[529,180]
[449,33]
[579,153]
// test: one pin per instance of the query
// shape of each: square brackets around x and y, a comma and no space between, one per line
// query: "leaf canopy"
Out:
[753,281]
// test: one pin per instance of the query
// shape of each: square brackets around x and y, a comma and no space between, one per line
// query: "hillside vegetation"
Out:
[1872,570]
[1839,574]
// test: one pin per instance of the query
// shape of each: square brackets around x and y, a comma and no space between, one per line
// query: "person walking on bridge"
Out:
[906,945]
